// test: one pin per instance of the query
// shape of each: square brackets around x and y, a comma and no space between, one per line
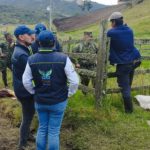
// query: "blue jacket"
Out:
[49,77]
[19,60]
[35,47]
[122,50]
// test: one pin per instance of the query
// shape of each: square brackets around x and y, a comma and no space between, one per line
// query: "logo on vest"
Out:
[46,76]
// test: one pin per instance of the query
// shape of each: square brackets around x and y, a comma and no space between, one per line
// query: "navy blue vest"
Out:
[19,60]
[49,76]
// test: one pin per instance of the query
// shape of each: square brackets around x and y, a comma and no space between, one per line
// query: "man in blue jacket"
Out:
[38,28]
[19,60]
[35,45]
[124,55]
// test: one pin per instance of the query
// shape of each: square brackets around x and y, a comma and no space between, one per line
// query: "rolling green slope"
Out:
[139,19]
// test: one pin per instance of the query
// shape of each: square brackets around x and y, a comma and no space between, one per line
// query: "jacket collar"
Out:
[45,50]
[22,47]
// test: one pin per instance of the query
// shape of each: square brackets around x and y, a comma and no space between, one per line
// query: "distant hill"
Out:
[31,11]
[76,22]
[15,15]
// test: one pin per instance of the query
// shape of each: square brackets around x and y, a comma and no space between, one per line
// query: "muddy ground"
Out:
[9,136]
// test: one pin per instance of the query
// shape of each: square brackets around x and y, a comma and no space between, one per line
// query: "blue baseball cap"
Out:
[46,36]
[39,27]
[22,29]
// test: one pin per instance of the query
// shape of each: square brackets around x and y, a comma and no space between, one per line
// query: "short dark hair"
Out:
[118,22]
[48,44]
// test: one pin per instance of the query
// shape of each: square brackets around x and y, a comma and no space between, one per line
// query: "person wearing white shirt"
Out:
[51,72]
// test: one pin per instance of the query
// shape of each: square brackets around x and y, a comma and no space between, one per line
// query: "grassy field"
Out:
[85,128]
[108,128]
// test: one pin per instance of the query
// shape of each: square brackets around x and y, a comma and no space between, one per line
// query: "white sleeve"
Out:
[72,77]
[27,79]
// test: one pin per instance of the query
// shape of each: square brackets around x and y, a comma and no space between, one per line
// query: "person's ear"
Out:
[21,37]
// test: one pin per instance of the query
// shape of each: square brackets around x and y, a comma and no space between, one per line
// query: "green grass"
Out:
[107,128]
[84,127]
[139,19]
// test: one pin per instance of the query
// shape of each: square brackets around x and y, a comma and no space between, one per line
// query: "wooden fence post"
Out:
[69,44]
[101,64]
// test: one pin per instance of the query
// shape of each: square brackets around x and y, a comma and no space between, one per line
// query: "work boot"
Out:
[21,148]
[31,138]
[128,105]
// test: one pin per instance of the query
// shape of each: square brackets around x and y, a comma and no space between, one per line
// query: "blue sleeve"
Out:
[35,47]
[109,33]
[58,46]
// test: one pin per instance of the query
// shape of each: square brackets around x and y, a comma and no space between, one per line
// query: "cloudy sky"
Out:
[106,2]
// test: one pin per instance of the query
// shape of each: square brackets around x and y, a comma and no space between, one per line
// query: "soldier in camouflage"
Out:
[86,46]
[6,50]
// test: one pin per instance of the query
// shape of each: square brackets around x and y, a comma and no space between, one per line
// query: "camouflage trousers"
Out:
[4,77]
[85,80]
[3,69]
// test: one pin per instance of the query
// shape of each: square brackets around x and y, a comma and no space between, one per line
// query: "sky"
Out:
[106,2]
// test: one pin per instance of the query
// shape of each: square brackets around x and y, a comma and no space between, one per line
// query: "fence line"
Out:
[137,41]
[92,74]
[111,91]
[101,74]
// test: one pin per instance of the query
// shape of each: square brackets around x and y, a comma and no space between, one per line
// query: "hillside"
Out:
[13,15]
[15,10]
[77,22]
[138,20]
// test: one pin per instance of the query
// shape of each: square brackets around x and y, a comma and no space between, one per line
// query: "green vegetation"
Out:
[34,11]
[13,15]
[139,19]
[109,128]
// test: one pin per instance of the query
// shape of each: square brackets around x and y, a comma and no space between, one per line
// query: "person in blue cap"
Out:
[57,47]
[124,55]
[35,45]
[38,28]
[19,60]
[50,71]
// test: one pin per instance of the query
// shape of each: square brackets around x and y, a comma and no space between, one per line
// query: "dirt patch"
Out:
[9,136]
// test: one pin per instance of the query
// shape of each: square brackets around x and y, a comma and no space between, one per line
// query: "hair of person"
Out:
[118,22]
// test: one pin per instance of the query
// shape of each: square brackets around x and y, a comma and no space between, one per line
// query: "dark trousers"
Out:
[28,111]
[125,73]
[4,77]
[85,80]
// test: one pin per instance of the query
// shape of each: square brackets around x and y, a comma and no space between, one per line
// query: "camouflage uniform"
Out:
[87,46]
[5,59]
